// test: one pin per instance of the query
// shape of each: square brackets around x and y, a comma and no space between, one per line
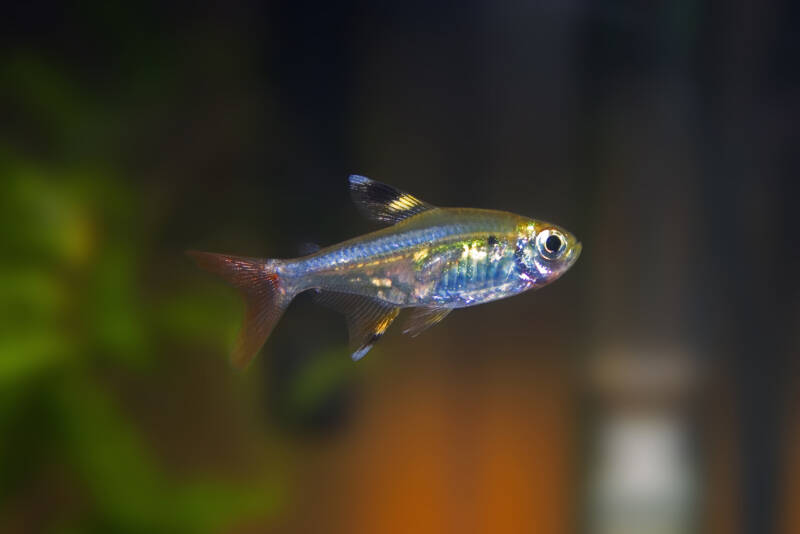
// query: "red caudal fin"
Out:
[265,298]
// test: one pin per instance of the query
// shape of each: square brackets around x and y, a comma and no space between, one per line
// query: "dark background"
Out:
[663,135]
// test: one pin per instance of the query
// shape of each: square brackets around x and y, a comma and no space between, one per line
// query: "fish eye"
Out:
[551,244]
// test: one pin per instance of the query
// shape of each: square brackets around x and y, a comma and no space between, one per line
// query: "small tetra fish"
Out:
[431,260]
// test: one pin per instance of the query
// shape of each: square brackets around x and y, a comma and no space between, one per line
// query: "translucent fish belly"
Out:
[471,281]
[451,261]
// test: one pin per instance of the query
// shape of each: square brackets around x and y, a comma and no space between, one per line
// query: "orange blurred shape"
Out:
[488,452]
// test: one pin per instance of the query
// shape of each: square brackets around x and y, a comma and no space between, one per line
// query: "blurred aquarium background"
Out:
[653,389]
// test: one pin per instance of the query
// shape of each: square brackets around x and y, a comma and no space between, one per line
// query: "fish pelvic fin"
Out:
[265,297]
[423,318]
[367,318]
[384,203]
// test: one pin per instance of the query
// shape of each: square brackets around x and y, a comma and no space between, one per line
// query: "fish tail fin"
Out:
[265,294]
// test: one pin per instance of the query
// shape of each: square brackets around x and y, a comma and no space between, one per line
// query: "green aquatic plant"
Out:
[80,321]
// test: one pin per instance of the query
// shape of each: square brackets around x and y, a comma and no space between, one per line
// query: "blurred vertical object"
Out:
[643,471]
[789,505]
[750,112]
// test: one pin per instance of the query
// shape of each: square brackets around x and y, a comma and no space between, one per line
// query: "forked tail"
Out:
[265,296]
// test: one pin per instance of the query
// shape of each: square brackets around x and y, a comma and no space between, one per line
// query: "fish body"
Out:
[431,259]
[453,257]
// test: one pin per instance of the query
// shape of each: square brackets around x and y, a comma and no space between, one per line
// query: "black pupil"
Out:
[552,244]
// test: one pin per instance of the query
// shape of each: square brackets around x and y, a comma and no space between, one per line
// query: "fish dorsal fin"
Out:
[423,318]
[384,203]
[367,318]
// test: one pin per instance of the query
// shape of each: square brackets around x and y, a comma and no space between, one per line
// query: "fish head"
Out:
[544,251]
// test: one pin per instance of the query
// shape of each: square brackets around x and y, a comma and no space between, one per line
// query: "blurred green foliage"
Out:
[78,311]
[318,381]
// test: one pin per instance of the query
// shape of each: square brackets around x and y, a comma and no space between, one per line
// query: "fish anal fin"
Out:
[384,203]
[423,318]
[367,318]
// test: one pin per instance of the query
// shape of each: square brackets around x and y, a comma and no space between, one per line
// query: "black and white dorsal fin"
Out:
[367,318]
[384,203]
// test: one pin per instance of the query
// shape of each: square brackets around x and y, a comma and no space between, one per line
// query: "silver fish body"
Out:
[452,257]
[431,259]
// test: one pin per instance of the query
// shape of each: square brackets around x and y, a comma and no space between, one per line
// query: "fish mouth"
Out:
[574,253]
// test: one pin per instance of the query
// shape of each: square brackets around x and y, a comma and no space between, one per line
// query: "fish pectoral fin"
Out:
[384,203]
[367,318]
[423,318]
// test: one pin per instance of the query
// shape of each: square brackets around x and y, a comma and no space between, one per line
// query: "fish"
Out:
[430,260]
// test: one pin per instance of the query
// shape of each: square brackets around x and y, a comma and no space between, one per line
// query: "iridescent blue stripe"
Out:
[389,244]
